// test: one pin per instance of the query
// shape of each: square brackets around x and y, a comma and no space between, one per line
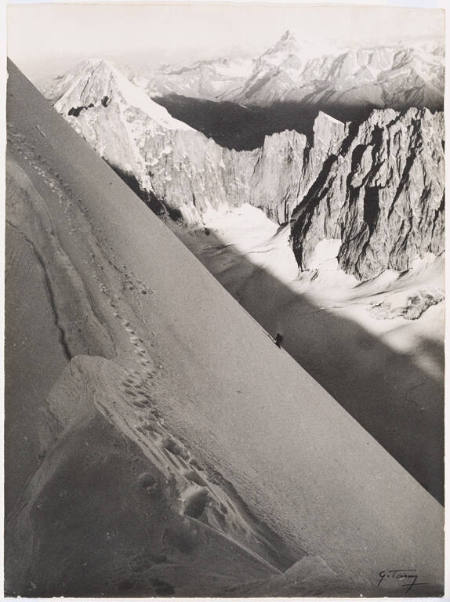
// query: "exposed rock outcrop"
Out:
[410,308]
[382,195]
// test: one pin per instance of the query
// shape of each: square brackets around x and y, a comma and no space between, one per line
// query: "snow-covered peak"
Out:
[289,45]
[98,83]
[285,47]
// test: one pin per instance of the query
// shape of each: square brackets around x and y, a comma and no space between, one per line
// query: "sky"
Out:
[47,39]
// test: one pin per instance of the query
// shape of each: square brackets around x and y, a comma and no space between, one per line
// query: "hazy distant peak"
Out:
[97,62]
[287,34]
[287,43]
[288,38]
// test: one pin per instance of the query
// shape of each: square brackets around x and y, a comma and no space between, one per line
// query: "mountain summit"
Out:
[288,41]
[97,82]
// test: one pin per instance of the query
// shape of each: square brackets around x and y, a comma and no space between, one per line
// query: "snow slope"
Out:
[376,346]
[186,450]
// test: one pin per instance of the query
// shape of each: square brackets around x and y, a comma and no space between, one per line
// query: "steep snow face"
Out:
[383,196]
[360,186]
[99,82]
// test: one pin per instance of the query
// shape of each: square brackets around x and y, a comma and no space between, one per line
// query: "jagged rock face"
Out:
[179,165]
[191,172]
[287,165]
[376,187]
[382,196]
[278,175]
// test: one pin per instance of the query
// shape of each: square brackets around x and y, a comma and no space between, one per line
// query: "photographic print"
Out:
[224,316]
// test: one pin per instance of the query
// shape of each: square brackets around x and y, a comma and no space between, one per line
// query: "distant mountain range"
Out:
[215,79]
[394,77]
[398,76]
[238,101]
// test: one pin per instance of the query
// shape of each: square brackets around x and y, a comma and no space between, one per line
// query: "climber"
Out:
[278,340]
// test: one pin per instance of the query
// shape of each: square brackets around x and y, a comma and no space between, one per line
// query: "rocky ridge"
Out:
[382,196]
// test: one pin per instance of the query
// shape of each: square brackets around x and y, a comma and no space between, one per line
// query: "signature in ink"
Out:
[406,578]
